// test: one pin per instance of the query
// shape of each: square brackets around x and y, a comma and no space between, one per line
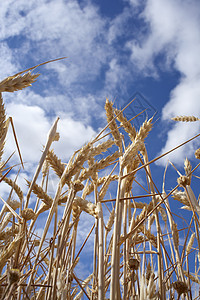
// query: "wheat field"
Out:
[139,249]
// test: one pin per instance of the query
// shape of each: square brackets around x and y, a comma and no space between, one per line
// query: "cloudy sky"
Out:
[114,49]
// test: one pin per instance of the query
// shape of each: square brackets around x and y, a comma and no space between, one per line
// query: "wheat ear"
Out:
[40,193]
[2,125]
[12,83]
[185,119]
[112,123]
[98,165]
[55,163]
[125,124]
[7,252]
[102,147]
[86,206]
[77,164]
[15,187]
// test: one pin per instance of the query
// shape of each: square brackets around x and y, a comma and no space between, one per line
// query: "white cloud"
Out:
[19,178]
[66,29]
[184,99]
[45,29]
[41,30]
[179,134]
[31,127]
[73,135]
[7,62]
[173,31]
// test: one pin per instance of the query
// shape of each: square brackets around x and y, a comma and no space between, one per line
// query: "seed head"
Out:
[13,275]
[180,287]
[184,180]
[133,263]
[28,214]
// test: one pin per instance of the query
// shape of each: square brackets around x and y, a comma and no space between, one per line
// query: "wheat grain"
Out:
[151,220]
[138,205]
[190,243]
[2,125]
[86,206]
[55,163]
[110,220]
[135,221]
[104,188]
[105,162]
[151,238]
[10,232]
[62,200]
[5,221]
[16,188]
[130,168]
[193,278]
[98,165]
[14,204]
[126,124]
[102,147]
[45,168]
[163,213]
[185,119]
[197,153]
[138,239]
[187,167]
[112,123]
[76,211]
[94,174]
[28,214]
[15,83]
[181,197]
[7,252]
[151,287]
[131,152]
[184,181]
[2,117]
[175,233]
[148,271]
[90,188]
[77,164]
[41,194]
[144,130]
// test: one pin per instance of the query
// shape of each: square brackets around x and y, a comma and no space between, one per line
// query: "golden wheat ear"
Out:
[22,79]
[185,119]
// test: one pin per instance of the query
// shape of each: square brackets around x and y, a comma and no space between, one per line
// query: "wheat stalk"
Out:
[127,249]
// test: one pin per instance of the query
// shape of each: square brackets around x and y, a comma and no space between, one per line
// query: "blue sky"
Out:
[114,49]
